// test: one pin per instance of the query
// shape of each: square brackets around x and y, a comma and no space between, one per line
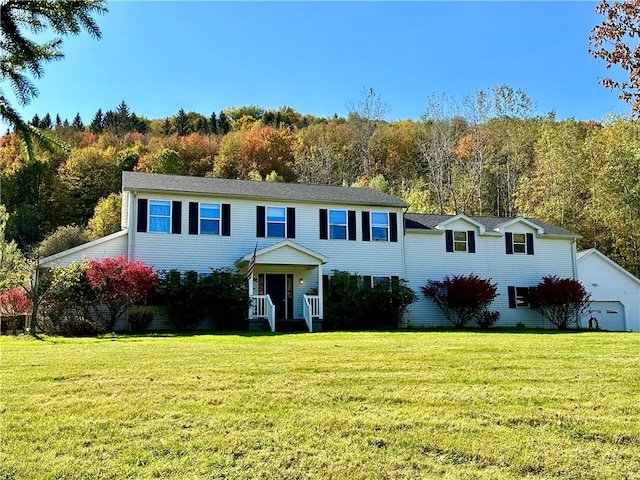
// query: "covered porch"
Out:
[285,286]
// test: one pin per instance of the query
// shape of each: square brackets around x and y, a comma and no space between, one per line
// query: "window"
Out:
[460,241]
[159,216]
[521,243]
[210,218]
[276,221]
[338,224]
[522,297]
[378,279]
[379,226]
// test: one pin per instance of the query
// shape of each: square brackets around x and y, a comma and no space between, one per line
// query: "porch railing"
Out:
[311,309]
[263,307]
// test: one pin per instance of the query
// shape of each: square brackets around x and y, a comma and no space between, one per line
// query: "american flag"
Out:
[252,262]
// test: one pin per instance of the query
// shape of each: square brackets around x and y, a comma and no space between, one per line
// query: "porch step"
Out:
[291,325]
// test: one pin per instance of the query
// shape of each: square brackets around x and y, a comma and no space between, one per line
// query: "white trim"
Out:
[501,228]
[443,225]
[585,253]
[79,248]
[321,259]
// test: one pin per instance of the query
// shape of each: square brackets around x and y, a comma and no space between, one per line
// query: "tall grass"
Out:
[456,405]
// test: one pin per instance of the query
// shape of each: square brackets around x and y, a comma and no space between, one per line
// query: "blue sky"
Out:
[317,57]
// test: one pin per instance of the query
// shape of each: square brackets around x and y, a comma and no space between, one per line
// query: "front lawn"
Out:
[456,405]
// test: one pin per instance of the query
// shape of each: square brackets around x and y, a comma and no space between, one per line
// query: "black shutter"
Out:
[529,243]
[142,215]
[226,219]
[366,280]
[176,217]
[512,296]
[533,297]
[323,224]
[193,218]
[260,221]
[351,224]
[366,229]
[508,241]
[291,222]
[448,236]
[393,226]
[471,238]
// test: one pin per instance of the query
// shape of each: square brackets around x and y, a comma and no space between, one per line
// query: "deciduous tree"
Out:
[561,300]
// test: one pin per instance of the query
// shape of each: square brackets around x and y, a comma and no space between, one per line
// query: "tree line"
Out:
[481,155]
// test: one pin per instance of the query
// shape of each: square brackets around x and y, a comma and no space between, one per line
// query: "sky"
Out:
[319,57]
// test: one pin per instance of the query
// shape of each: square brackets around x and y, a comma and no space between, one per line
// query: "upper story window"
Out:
[460,241]
[519,243]
[159,216]
[210,218]
[379,226]
[276,222]
[338,224]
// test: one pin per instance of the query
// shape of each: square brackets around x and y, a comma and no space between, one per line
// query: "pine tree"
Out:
[58,121]
[213,123]
[35,121]
[181,123]
[97,124]
[77,122]
[46,121]
[167,129]
[223,123]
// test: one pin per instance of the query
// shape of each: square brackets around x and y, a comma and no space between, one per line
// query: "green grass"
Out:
[452,405]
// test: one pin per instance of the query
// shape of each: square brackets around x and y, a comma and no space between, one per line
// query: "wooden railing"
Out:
[263,307]
[311,309]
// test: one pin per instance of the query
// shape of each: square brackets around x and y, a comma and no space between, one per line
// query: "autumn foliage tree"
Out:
[14,303]
[462,298]
[561,300]
[615,41]
[119,283]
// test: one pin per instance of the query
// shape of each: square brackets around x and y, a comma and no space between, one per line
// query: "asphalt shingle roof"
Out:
[425,221]
[151,182]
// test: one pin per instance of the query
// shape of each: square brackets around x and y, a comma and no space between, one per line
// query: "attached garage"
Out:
[609,315]
[615,293]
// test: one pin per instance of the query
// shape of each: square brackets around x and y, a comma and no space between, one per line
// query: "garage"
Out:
[610,316]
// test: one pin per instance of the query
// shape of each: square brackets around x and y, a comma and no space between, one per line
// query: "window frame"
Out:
[464,242]
[202,219]
[522,244]
[331,224]
[154,216]
[373,225]
[274,223]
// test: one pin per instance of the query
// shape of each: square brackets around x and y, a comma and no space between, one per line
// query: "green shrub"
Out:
[179,292]
[351,302]
[140,321]
[487,318]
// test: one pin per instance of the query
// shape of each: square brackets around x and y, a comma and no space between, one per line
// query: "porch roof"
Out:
[285,252]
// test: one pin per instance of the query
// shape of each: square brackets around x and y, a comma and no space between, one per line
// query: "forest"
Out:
[485,155]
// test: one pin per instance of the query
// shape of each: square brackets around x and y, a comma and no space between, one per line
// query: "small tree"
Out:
[461,298]
[561,300]
[14,304]
[119,283]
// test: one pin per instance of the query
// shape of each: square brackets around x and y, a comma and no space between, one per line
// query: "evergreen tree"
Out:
[77,122]
[203,126]
[35,121]
[46,121]
[65,124]
[223,123]
[97,124]
[213,123]
[58,121]
[181,123]
[167,129]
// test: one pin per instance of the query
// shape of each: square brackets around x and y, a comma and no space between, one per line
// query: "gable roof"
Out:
[84,246]
[583,254]
[423,221]
[153,182]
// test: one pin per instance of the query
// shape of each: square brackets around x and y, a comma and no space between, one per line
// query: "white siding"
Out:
[607,283]
[200,252]
[101,248]
[427,259]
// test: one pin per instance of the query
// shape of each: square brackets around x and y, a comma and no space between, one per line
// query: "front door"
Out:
[279,287]
[276,288]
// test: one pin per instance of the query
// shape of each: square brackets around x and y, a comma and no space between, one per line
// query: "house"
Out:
[295,235]
[615,293]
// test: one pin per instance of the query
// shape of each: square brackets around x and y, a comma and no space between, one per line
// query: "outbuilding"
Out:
[615,293]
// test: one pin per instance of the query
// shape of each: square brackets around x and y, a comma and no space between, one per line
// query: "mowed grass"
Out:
[452,405]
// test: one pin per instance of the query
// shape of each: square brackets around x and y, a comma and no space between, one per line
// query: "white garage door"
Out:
[610,315]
